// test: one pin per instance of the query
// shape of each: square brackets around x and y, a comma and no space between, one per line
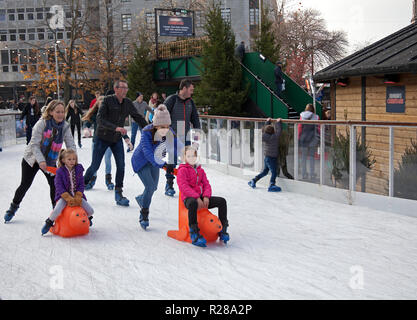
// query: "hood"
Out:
[307,115]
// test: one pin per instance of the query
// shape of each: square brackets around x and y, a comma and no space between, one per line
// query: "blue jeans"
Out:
[150,178]
[107,160]
[135,128]
[270,163]
[119,156]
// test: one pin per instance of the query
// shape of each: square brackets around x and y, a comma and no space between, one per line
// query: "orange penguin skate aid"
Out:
[208,223]
[73,221]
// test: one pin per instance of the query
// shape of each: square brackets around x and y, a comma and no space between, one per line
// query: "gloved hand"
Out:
[69,199]
[78,199]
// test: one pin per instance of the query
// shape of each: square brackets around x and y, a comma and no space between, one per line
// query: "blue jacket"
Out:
[145,152]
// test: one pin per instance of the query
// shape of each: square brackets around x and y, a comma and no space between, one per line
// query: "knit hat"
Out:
[161,116]
[138,94]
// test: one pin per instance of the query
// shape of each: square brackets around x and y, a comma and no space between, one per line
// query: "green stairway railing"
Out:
[293,95]
[178,68]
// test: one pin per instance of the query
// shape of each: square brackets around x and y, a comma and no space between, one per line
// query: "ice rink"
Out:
[283,246]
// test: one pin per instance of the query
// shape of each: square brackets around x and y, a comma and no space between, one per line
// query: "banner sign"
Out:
[395,99]
[172,26]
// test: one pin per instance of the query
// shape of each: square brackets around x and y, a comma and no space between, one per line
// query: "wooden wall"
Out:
[348,106]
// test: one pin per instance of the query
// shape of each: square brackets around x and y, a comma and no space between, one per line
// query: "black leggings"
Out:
[214,202]
[78,124]
[28,174]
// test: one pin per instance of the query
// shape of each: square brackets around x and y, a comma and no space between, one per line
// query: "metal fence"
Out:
[370,157]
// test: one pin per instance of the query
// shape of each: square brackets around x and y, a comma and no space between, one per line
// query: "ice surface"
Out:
[283,246]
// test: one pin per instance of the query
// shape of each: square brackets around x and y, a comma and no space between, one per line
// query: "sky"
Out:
[364,21]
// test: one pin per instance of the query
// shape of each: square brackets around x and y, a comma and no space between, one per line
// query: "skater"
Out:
[32,113]
[49,133]
[183,114]
[157,139]
[74,112]
[308,136]
[110,121]
[69,188]
[91,118]
[142,107]
[196,194]
[153,104]
[270,140]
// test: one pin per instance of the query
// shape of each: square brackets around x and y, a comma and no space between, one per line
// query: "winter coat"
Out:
[33,152]
[192,182]
[308,133]
[146,151]
[112,114]
[142,108]
[63,181]
[75,117]
[182,110]
[31,116]
[278,75]
[271,141]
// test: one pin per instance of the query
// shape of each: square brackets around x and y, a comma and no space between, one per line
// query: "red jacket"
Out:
[192,182]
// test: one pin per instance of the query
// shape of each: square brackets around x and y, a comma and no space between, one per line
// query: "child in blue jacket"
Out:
[156,139]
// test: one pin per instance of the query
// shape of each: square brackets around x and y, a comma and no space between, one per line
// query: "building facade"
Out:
[24,29]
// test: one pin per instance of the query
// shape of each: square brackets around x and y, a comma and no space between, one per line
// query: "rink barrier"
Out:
[219,150]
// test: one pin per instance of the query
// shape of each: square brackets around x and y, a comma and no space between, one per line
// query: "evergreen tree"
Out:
[265,41]
[405,176]
[140,71]
[221,79]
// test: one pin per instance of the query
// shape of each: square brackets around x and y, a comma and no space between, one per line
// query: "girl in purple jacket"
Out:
[196,193]
[69,187]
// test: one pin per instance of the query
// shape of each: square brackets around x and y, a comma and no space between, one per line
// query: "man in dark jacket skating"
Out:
[110,129]
[183,114]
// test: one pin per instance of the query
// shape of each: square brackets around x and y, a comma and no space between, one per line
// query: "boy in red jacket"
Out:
[196,193]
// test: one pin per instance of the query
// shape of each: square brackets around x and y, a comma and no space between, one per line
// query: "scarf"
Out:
[52,140]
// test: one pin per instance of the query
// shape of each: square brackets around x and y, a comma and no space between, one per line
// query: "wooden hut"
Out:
[378,83]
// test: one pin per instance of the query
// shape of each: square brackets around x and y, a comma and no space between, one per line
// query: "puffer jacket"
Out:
[192,182]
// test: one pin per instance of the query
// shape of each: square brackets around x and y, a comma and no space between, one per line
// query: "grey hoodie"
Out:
[308,132]
[271,141]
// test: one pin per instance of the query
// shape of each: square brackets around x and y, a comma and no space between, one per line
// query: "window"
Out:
[22,37]
[23,55]
[31,36]
[5,57]
[5,68]
[31,16]
[15,68]
[199,19]
[60,36]
[2,15]
[41,36]
[226,15]
[33,56]
[11,17]
[126,22]
[39,16]
[68,35]
[30,10]
[253,16]
[3,37]
[20,10]
[14,58]
[150,20]
[50,36]
[13,37]
[21,16]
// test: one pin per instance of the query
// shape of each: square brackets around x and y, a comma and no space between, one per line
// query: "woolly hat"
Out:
[161,116]
[138,94]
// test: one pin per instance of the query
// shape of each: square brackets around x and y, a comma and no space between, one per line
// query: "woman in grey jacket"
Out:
[48,136]
[270,141]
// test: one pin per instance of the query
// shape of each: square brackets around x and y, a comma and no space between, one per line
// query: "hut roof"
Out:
[394,54]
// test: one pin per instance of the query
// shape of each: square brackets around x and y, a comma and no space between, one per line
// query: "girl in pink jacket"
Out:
[196,193]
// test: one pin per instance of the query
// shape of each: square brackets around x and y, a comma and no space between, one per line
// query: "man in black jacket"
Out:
[110,130]
[279,80]
[183,114]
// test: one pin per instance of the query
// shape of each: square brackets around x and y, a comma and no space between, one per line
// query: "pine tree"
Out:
[265,42]
[221,79]
[140,71]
